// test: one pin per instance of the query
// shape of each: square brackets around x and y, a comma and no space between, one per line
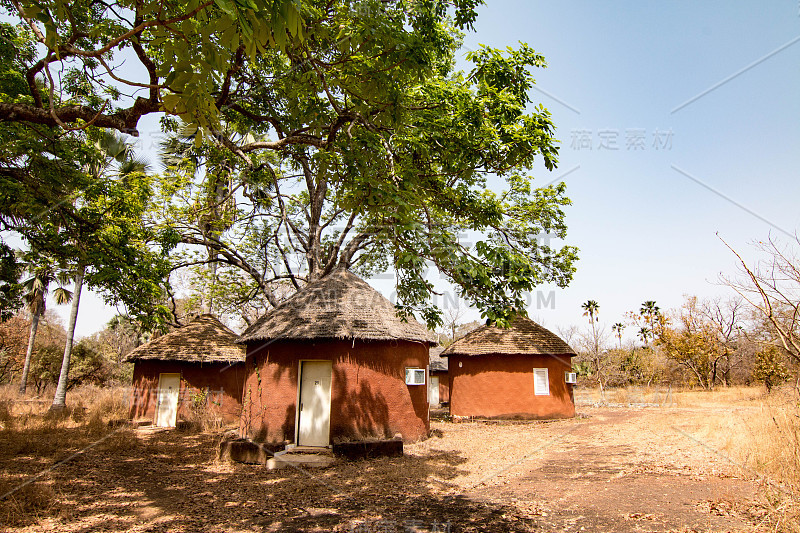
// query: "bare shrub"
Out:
[203,414]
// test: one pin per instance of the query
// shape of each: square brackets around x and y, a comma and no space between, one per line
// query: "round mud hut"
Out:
[199,364]
[516,373]
[333,364]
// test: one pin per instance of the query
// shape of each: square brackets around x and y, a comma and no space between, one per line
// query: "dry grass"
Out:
[31,433]
[30,503]
[203,417]
[733,396]
[756,432]
[665,396]
[768,443]
[740,428]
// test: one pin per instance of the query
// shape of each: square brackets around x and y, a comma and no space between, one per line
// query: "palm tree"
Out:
[645,333]
[116,157]
[592,309]
[650,312]
[618,328]
[43,273]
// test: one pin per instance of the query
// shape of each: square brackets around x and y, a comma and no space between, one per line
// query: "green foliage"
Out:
[636,365]
[187,52]
[365,148]
[96,220]
[318,135]
[88,365]
[770,367]
[45,367]
[43,270]
[10,288]
[591,309]
[583,369]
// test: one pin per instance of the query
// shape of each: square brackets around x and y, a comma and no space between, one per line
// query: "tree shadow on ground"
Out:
[170,480]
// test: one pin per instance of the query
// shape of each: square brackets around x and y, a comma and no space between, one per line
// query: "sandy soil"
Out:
[606,470]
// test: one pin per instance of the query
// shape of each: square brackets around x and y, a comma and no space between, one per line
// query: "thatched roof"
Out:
[524,337]
[204,340]
[437,362]
[338,306]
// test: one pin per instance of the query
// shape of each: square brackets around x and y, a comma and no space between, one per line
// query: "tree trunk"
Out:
[27,367]
[714,373]
[208,302]
[60,399]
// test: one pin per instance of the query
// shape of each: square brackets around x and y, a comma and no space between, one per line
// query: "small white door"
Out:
[314,411]
[169,386]
[433,390]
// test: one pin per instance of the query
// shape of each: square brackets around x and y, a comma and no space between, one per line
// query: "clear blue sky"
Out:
[618,71]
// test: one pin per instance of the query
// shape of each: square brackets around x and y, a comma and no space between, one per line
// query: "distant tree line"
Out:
[705,343]
[98,359]
[751,336]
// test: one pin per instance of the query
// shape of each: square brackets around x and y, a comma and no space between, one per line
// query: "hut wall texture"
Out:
[224,382]
[501,386]
[444,385]
[369,397]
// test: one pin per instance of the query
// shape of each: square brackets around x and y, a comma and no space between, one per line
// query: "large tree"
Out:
[95,231]
[691,342]
[364,148]
[333,134]
[109,248]
[594,338]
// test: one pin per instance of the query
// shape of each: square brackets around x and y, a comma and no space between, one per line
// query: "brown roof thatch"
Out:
[204,340]
[338,306]
[437,363]
[524,337]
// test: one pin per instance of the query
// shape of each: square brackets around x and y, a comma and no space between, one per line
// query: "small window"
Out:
[415,376]
[541,382]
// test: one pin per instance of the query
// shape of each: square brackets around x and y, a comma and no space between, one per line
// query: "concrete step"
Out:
[317,450]
[303,460]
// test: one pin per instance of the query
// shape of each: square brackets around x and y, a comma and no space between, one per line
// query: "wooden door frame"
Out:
[158,395]
[299,392]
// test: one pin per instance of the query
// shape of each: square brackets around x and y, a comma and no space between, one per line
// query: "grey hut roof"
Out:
[204,340]
[339,306]
[524,337]
[437,363]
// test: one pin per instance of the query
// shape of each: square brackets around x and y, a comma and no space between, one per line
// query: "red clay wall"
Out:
[501,386]
[369,397]
[224,382]
[444,385]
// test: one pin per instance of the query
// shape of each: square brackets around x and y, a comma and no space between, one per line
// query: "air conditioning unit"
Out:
[415,376]
[571,377]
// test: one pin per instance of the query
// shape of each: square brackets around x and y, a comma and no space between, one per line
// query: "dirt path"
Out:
[610,470]
[614,472]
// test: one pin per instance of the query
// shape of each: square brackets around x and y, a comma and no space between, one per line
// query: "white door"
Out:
[314,411]
[169,386]
[433,390]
